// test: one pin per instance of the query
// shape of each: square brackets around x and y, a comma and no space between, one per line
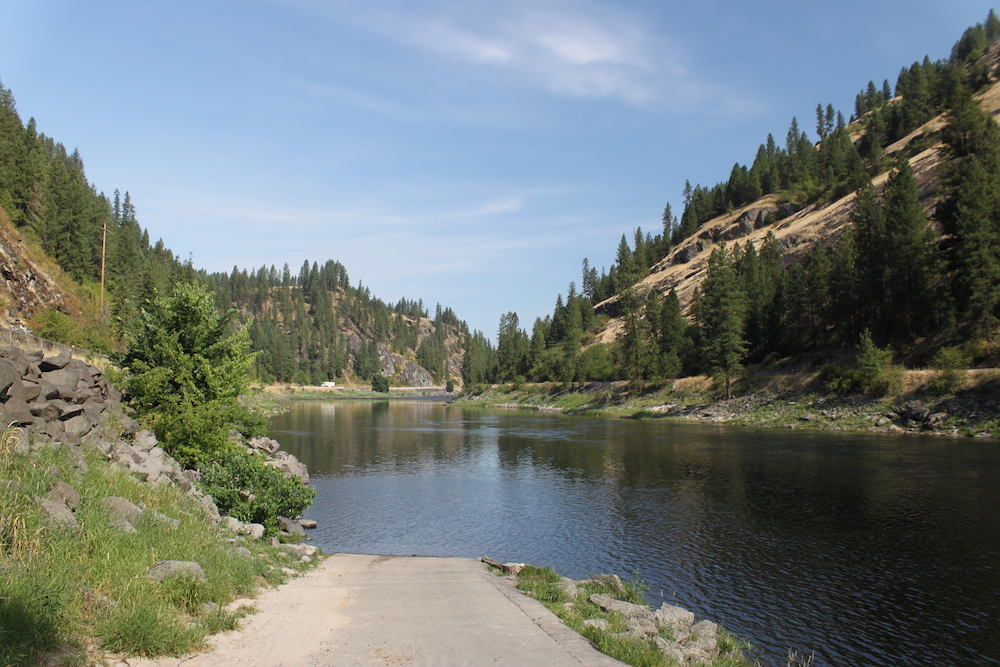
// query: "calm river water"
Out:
[867,550]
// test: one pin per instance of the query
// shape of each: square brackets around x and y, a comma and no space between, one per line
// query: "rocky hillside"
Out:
[797,228]
[28,283]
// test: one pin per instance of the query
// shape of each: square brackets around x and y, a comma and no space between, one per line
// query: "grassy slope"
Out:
[76,595]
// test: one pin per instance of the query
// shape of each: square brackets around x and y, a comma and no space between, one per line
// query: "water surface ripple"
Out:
[867,550]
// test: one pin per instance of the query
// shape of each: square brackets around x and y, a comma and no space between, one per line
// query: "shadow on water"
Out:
[865,549]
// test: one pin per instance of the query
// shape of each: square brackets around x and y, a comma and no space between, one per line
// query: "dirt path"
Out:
[391,610]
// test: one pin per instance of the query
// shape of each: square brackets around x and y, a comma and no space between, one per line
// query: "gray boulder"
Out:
[289,465]
[62,492]
[57,515]
[176,568]
[290,527]
[676,618]
[145,440]
[626,609]
[55,362]
[121,508]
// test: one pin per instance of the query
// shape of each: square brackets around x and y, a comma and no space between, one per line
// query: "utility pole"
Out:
[104,248]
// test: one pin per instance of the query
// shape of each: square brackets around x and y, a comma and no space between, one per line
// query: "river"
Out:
[863,549]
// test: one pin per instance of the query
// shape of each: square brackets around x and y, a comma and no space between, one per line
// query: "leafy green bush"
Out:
[244,488]
[185,370]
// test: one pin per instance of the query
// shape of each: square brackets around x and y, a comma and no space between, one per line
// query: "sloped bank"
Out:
[111,543]
[614,616]
[794,402]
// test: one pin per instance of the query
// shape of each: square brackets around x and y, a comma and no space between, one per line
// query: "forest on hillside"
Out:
[896,278]
[306,327]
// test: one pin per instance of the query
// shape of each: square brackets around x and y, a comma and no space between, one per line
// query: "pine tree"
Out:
[910,256]
[722,317]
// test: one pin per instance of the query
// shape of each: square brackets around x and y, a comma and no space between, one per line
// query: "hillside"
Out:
[882,230]
[800,229]
[78,268]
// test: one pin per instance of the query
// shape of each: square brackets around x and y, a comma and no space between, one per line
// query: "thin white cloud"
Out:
[576,48]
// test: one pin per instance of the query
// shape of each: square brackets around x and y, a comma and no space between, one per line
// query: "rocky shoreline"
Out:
[973,412]
[57,402]
[609,612]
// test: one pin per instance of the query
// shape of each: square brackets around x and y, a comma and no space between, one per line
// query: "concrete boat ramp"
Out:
[395,610]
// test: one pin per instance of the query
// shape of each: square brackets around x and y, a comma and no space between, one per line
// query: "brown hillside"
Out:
[684,267]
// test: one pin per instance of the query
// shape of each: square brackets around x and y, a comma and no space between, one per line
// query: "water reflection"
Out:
[868,550]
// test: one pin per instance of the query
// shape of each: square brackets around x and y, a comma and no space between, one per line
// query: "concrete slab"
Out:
[356,610]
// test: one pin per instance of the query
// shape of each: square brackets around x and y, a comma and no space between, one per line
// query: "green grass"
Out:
[90,588]
[540,583]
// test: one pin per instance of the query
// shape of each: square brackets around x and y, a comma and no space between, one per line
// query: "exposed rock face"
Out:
[27,286]
[415,375]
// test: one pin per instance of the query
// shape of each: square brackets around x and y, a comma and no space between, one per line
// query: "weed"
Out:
[148,630]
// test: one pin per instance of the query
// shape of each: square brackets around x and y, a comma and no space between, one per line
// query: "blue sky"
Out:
[463,152]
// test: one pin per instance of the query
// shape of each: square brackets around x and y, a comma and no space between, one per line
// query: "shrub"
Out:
[876,374]
[952,370]
[244,488]
[380,383]
[185,371]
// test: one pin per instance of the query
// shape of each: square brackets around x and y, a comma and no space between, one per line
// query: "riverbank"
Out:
[794,401]
[107,544]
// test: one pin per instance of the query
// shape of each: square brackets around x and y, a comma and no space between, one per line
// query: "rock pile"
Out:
[60,402]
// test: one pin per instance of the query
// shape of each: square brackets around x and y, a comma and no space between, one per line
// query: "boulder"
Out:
[676,618]
[685,255]
[569,587]
[122,525]
[914,410]
[290,527]
[646,627]
[176,568]
[121,508]
[64,493]
[308,524]
[43,409]
[57,515]
[169,523]
[16,412]
[289,465]
[145,440]
[626,609]
[937,419]
[672,651]
[16,357]
[599,623]
[31,390]
[55,362]
[65,380]
[266,444]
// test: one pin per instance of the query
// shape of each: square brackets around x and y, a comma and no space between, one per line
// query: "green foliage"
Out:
[243,487]
[148,630]
[32,615]
[540,583]
[952,366]
[722,311]
[876,374]
[56,587]
[63,328]
[449,386]
[380,383]
[186,370]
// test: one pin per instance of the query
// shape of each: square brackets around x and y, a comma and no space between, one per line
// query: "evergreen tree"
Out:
[722,311]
